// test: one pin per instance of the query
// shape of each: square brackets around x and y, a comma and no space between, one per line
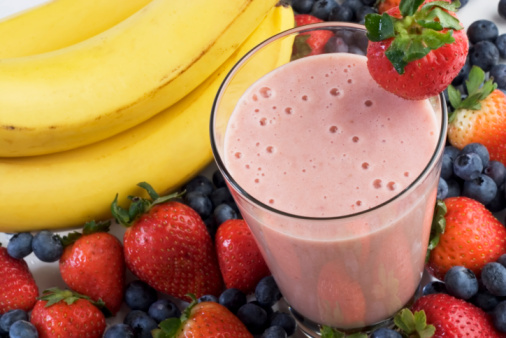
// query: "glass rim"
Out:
[228,177]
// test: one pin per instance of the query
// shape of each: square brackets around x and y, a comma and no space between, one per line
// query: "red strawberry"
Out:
[454,317]
[206,319]
[472,238]
[310,43]
[385,5]
[17,286]
[416,52]
[167,245]
[61,313]
[481,117]
[241,263]
[93,264]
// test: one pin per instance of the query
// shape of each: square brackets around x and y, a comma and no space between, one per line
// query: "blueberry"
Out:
[498,72]
[141,323]
[496,171]
[200,203]
[163,309]
[493,276]
[363,11]
[342,13]
[461,282]
[224,212]
[478,149]
[302,7]
[274,332]
[336,44]
[482,30]
[23,329]
[467,166]
[356,50]
[498,203]
[500,43]
[501,8]
[232,299]
[119,330]
[322,8]
[462,75]
[370,3]
[199,183]
[283,320]
[218,179]
[211,226]
[20,245]
[47,246]
[385,333]
[485,300]
[481,188]
[434,287]
[499,316]
[484,54]
[11,317]
[446,167]
[253,317]
[442,189]
[208,298]
[502,260]
[453,188]
[267,291]
[139,295]
[451,152]
[354,5]
[267,309]
[220,196]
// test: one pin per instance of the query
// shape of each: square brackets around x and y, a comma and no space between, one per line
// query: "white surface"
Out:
[47,274]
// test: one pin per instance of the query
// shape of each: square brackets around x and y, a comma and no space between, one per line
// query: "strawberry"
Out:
[18,289]
[241,263]
[93,264]
[167,245]
[62,313]
[416,50]
[454,317]
[310,43]
[385,5]
[472,238]
[205,319]
[481,117]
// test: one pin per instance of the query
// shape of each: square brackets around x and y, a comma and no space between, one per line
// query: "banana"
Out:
[97,88]
[67,189]
[61,23]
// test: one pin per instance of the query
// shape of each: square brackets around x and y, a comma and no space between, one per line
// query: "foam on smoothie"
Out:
[318,137]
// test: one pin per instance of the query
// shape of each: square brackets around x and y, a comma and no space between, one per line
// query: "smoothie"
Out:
[319,139]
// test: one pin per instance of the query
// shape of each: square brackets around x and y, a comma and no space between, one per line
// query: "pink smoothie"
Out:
[319,138]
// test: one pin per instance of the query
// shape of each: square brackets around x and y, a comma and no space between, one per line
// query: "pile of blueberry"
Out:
[257,313]
[15,323]
[45,245]
[212,200]
[487,292]
[470,172]
[487,48]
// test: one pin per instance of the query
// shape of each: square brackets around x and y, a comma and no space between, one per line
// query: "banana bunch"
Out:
[68,188]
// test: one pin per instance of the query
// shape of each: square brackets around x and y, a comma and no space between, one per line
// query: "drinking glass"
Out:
[351,272]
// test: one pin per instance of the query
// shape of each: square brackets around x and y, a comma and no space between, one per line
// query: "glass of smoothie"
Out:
[336,177]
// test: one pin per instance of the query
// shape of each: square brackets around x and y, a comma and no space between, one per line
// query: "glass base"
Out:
[311,329]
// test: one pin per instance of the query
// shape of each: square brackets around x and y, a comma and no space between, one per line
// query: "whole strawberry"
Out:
[480,117]
[18,289]
[310,43]
[205,319]
[385,5]
[167,245]
[454,317]
[416,49]
[62,313]
[241,263]
[472,238]
[93,264]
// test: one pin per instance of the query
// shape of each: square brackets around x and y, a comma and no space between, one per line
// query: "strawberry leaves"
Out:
[419,30]
[438,226]
[477,89]
[414,324]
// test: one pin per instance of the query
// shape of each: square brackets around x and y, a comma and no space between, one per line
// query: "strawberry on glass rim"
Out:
[417,49]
